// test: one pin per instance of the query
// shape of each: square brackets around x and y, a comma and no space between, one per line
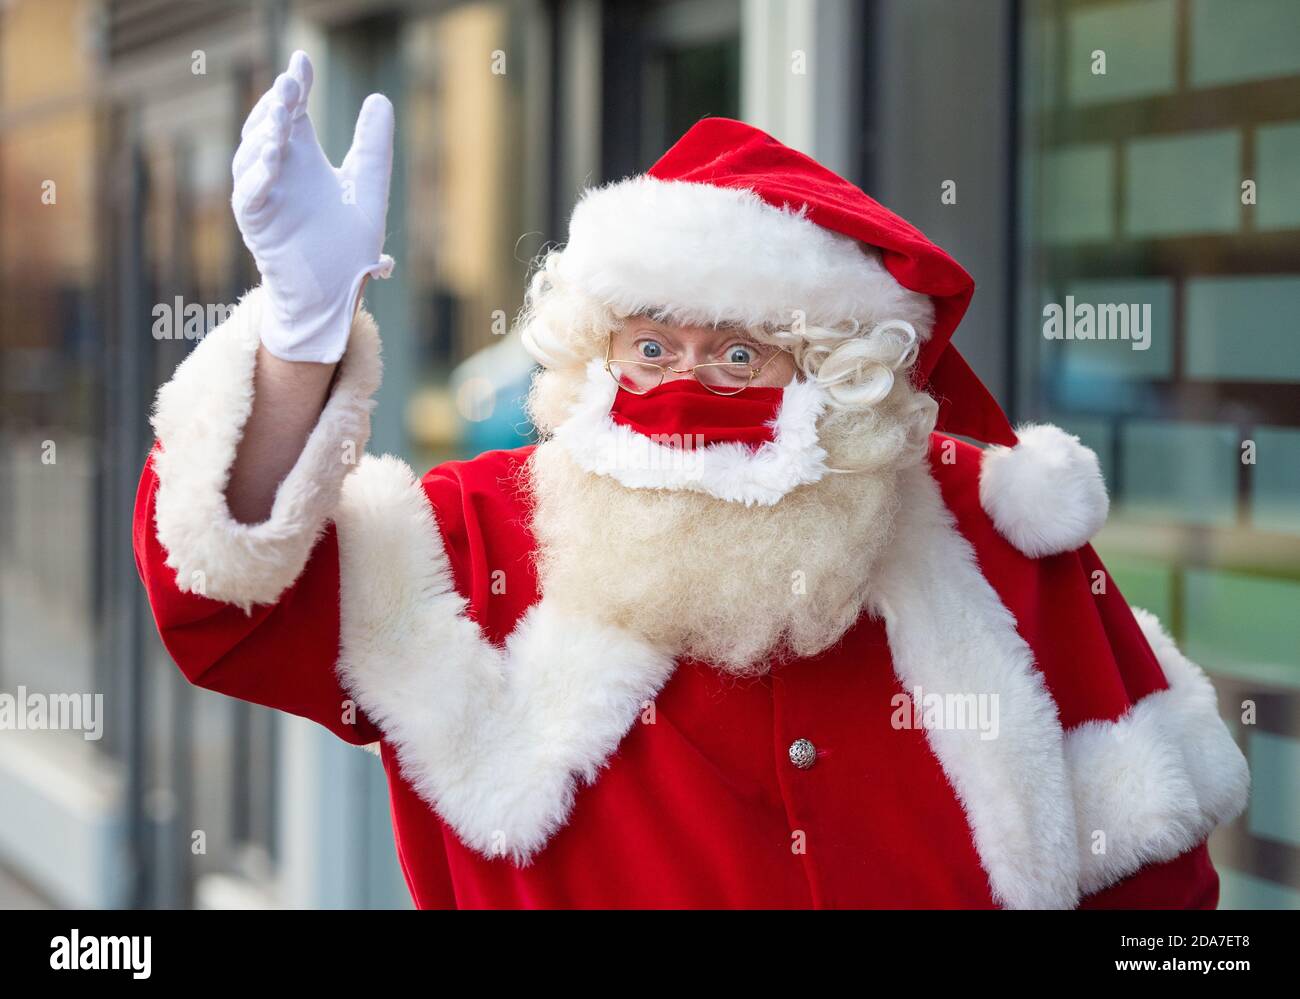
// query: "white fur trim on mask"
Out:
[1045,495]
[950,634]
[729,471]
[494,739]
[697,253]
[1156,782]
[199,419]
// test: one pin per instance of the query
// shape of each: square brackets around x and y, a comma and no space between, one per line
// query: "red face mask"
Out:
[675,412]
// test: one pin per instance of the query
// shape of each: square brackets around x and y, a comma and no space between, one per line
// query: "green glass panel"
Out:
[1138,42]
[1275,484]
[1243,328]
[1274,804]
[1077,196]
[1277,176]
[1181,184]
[1233,41]
[1243,625]
[1180,471]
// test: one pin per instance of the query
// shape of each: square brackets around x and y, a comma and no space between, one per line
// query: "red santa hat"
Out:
[732,225]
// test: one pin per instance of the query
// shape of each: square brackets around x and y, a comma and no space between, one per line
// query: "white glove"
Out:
[315,232]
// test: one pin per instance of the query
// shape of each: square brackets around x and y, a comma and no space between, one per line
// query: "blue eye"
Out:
[650,350]
[739,355]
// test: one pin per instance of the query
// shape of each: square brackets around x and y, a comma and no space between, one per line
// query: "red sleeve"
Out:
[1188,881]
[280,656]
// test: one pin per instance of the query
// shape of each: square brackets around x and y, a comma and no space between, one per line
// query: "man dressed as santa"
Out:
[746,628]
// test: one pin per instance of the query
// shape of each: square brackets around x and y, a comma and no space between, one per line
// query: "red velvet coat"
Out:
[703,807]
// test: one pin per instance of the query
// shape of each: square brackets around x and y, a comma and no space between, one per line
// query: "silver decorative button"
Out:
[803,754]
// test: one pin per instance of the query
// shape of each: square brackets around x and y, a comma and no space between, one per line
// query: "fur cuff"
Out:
[1155,783]
[199,420]
[1045,495]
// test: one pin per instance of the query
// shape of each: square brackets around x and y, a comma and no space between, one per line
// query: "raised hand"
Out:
[316,232]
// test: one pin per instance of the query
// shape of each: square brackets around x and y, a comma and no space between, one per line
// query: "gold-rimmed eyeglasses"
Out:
[719,377]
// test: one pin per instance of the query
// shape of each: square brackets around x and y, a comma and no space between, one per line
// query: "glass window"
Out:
[50,434]
[667,65]
[475,223]
[1159,192]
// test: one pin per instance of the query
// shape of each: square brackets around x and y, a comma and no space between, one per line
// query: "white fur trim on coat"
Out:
[1154,783]
[497,740]
[950,634]
[199,419]
[697,253]
[1045,495]
[728,471]
[494,739]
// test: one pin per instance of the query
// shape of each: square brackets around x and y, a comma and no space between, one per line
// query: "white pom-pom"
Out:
[1045,495]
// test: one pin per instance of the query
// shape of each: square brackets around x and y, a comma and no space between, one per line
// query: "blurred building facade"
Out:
[986,123]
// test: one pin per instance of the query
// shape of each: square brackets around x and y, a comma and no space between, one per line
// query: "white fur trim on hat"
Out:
[728,471]
[1046,495]
[696,253]
[1156,782]
[199,419]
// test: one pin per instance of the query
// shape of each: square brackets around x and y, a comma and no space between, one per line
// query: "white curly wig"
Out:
[860,361]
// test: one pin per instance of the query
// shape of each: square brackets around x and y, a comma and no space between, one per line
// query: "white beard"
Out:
[741,587]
